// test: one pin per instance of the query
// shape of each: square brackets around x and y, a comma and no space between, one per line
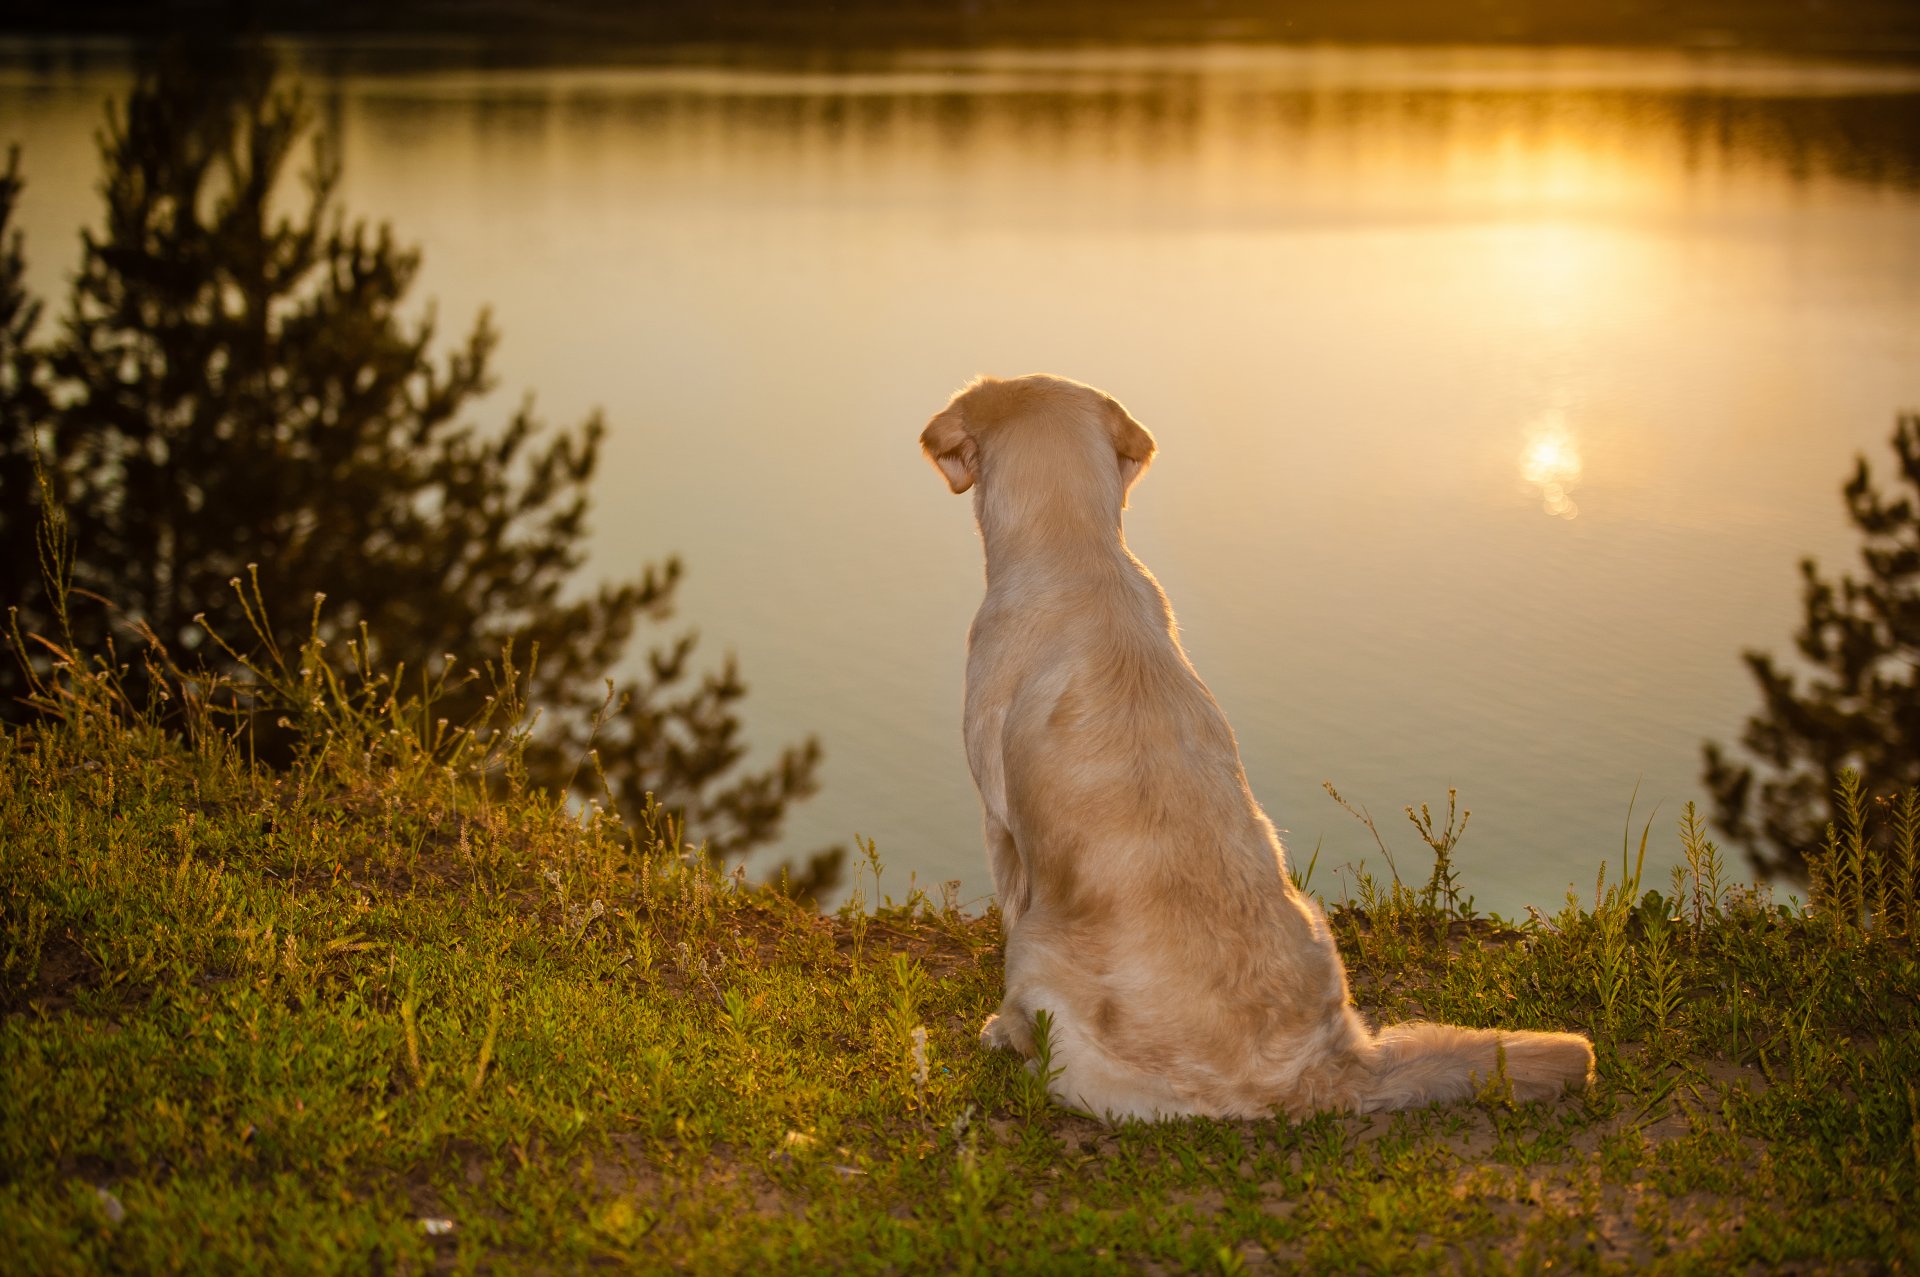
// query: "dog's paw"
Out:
[994,1034]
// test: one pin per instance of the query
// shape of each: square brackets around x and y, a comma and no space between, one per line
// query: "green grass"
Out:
[385,1011]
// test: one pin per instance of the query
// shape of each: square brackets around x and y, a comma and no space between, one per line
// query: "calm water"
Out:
[1498,392]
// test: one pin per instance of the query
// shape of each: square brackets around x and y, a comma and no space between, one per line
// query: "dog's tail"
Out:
[1420,1063]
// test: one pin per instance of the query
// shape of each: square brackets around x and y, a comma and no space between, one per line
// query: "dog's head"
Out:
[1040,430]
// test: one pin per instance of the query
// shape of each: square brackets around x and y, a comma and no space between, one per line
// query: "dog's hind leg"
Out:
[1009,868]
[1006,1028]
[1010,1027]
[1089,1079]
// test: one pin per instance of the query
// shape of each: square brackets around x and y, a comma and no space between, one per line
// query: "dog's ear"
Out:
[949,444]
[1133,444]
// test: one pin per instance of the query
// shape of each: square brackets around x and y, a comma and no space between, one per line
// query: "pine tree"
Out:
[1857,706]
[23,402]
[237,387]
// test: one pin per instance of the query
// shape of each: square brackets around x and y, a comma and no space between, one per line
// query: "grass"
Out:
[389,1011]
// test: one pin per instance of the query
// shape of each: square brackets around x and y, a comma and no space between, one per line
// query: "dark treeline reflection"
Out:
[1700,111]
[573,29]
[1865,133]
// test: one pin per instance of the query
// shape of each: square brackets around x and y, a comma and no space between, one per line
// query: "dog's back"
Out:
[1144,893]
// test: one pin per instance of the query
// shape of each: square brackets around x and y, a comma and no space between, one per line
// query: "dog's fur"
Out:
[1144,893]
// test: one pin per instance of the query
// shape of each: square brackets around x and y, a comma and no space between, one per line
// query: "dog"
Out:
[1143,892]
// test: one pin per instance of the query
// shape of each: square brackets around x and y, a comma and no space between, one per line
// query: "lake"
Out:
[1498,391]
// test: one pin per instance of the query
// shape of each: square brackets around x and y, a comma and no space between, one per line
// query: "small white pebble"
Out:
[111,1205]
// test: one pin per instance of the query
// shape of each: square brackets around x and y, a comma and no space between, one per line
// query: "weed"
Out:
[1440,901]
[905,1032]
[1699,883]
[853,910]
[1662,998]
[1442,892]
[1033,1092]
[1303,879]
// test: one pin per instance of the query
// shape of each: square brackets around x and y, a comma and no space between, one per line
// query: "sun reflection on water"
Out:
[1550,461]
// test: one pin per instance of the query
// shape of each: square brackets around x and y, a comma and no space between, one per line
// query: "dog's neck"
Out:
[1026,534]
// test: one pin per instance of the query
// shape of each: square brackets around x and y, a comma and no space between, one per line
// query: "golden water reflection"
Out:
[1550,461]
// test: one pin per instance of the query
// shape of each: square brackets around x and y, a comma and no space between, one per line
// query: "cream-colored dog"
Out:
[1144,894]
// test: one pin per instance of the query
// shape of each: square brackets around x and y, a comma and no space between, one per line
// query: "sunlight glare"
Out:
[1550,461]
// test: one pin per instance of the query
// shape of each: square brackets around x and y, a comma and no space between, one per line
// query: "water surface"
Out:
[1498,392]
